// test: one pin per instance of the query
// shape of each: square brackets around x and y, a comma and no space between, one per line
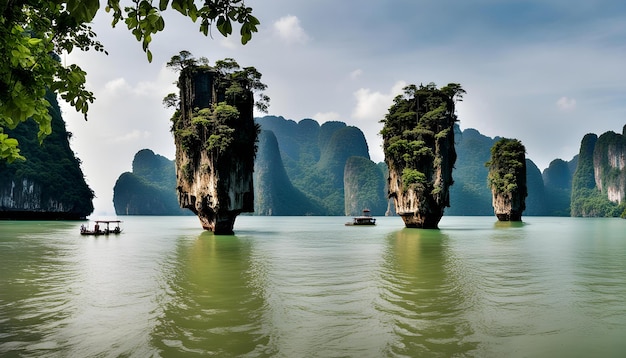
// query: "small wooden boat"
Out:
[98,230]
[365,219]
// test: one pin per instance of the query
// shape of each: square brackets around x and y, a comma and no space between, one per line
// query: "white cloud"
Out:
[566,103]
[229,42]
[371,107]
[322,117]
[132,136]
[374,105]
[116,85]
[288,28]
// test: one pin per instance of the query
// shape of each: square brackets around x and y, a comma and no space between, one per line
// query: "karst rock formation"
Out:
[215,138]
[418,136]
[507,179]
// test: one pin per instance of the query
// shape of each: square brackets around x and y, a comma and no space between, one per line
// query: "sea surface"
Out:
[312,287]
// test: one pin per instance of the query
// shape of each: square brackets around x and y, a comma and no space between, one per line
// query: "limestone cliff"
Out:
[599,183]
[215,138]
[418,137]
[507,179]
[50,183]
[609,165]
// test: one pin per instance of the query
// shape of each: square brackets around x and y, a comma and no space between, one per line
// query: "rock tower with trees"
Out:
[418,141]
[216,138]
[507,179]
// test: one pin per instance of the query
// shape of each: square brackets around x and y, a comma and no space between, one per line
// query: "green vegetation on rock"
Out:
[507,179]
[469,195]
[506,166]
[598,165]
[418,142]
[557,179]
[587,200]
[53,167]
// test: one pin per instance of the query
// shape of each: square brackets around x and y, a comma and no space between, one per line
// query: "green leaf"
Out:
[246,37]
[224,26]
[180,6]
[83,10]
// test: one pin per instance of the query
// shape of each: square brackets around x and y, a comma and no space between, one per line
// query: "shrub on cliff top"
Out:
[507,167]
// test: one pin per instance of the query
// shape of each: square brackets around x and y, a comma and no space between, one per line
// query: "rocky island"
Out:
[418,141]
[49,184]
[216,139]
[507,179]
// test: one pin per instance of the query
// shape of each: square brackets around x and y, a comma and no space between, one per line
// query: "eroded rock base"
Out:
[509,217]
[419,221]
[219,224]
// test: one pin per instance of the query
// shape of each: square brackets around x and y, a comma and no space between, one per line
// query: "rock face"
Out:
[215,138]
[50,184]
[583,181]
[418,136]
[599,183]
[507,179]
[609,165]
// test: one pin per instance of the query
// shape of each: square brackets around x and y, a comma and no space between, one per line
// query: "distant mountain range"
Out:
[304,168]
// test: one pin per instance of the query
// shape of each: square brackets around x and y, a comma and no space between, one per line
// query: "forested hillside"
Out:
[274,193]
[50,183]
[599,183]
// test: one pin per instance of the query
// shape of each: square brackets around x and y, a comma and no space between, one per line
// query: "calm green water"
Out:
[312,287]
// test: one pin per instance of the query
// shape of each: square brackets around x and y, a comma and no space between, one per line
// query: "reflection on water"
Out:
[212,305]
[507,224]
[312,287]
[421,296]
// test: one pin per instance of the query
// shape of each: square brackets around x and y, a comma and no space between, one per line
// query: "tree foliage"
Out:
[31,32]
[214,128]
[234,81]
[507,167]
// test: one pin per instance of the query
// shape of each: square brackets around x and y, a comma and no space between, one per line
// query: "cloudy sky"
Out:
[544,72]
